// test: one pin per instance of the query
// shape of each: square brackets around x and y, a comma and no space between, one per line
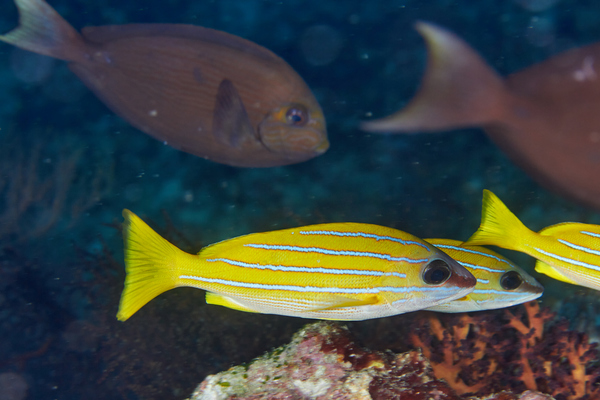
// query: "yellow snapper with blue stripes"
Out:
[569,252]
[500,282]
[338,271]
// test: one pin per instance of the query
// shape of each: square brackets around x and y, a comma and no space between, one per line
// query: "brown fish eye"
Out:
[511,280]
[297,115]
[437,272]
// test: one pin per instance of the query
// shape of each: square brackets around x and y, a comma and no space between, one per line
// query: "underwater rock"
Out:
[323,362]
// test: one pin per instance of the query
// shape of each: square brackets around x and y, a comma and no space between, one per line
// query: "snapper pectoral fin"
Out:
[220,300]
[546,269]
[231,124]
[336,302]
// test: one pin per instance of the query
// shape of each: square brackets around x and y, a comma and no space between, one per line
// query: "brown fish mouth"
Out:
[323,147]
[283,133]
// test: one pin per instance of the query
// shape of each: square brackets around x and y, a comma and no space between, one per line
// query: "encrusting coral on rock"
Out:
[323,362]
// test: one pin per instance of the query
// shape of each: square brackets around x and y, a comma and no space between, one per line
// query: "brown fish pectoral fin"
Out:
[231,124]
[344,302]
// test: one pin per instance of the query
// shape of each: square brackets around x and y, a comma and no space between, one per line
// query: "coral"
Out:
[41,185]
[511,349]
[323,362]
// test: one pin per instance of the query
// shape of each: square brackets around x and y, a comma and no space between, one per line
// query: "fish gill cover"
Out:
[69,165]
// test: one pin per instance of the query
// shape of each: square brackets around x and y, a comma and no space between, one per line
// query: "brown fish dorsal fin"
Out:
[459,89]
[231,124]
[108,33]
[42,30]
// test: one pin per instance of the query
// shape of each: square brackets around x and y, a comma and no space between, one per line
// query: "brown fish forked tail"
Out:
[458,90]
[42,30]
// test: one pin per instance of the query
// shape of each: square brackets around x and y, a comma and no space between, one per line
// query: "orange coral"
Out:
[510,349]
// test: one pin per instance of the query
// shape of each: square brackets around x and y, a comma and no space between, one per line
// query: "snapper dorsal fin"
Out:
[458,90]
[499,226]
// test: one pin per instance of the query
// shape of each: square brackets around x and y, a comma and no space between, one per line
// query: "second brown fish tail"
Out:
[42,30]
[458,90]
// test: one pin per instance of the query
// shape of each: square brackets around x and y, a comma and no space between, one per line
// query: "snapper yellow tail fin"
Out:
[499,226]
[150,264]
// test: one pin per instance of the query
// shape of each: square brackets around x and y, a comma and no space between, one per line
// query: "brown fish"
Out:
[546,117]
[202,91]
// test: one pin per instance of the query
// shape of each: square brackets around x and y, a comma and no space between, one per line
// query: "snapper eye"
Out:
[511,280]
[296,115]
[436,272]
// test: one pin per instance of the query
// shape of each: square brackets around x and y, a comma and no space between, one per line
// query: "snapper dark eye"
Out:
[297,115]
[436,272]
[511,280]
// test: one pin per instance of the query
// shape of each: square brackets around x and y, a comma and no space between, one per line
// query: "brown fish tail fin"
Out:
[42,30]
[459,89]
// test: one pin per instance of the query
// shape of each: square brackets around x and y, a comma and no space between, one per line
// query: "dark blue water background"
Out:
[61,267]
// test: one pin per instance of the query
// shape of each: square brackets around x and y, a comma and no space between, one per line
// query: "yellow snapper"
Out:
[338,271]
[569,252]
[500,283]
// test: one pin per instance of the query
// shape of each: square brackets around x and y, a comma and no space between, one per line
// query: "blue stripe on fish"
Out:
[458,248]
[287,268]
[334,252]
[475,266]
[568,260]
[363,234]
[577,247]
[492,291]
[316,289]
